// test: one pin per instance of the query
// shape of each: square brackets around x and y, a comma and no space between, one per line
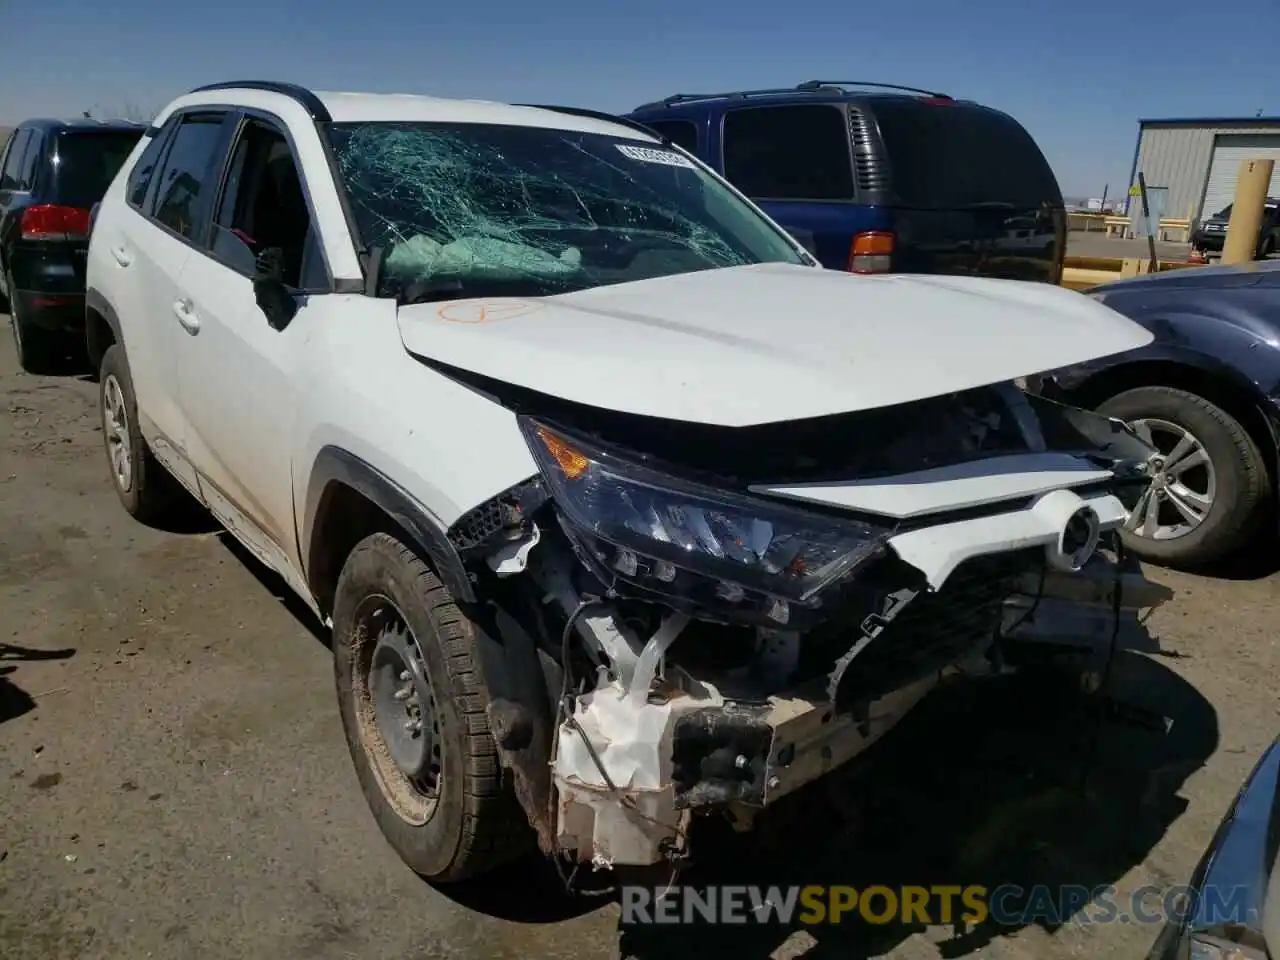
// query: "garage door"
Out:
[1225,168]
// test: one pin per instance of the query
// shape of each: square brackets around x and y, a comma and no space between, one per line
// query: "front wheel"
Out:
[413,710]
[1209,484]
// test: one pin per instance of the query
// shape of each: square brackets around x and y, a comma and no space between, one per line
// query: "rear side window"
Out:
[85,163]
[34,151]
[680,132]
[141,174]
[187,176]
[13,159]
[953,156]
[797,152]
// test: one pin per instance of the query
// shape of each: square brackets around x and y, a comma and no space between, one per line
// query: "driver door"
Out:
[240,377]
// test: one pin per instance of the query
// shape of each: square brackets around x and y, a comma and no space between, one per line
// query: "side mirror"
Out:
[274,298]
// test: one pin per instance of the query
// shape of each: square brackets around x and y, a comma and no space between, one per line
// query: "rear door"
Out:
[972,192]
[156,239]
[796,162]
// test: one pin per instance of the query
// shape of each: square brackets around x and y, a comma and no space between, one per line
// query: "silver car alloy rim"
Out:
[115,422]
[1183,483]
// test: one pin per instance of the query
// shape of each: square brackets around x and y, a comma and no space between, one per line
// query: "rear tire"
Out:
[38,350]
[144,486]
[1239,488]
[451,817]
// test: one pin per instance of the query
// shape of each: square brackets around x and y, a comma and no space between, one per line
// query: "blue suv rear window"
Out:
[957,156]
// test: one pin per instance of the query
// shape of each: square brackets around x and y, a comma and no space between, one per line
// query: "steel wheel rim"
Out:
[115,424]
[1183,485]
[392,690]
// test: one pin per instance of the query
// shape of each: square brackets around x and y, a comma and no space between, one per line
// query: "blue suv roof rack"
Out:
[809,86]
[309,101]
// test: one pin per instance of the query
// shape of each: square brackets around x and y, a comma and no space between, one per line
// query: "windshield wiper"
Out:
[426,291]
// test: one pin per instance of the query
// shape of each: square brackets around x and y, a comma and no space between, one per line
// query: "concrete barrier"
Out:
[1080,273]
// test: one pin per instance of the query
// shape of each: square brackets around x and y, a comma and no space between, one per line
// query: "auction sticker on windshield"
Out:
[650,155]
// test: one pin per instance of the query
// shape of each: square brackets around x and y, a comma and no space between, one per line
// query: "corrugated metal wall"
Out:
[1178,157]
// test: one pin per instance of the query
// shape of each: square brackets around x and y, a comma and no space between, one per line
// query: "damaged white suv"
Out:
[622,510]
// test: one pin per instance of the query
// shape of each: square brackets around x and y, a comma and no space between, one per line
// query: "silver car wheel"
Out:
[115,422]
[1183,483]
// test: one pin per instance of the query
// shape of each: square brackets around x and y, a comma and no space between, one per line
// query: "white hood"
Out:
[770,342]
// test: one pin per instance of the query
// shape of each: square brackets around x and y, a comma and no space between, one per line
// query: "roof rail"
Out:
[838,84]
[308,100]
[809,86]
[597,115]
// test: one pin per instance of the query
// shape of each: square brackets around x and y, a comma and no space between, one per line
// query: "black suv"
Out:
[1211,235]
[51,175]
[877,177]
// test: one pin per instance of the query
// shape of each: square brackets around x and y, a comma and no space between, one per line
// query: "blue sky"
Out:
[1075,73]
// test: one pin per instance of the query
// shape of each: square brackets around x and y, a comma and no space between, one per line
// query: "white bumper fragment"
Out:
[938,550]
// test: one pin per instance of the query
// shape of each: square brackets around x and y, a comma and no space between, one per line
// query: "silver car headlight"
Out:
[752,559]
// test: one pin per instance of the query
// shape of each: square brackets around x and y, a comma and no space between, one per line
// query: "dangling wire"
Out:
[1113,651]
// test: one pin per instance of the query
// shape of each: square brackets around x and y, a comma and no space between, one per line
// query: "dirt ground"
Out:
[174,781]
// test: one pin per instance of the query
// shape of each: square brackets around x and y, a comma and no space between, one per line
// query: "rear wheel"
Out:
[144,486]
[413,710]
[38,350]
[1209,485]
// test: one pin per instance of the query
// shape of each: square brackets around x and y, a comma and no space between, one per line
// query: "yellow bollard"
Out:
[1241,244]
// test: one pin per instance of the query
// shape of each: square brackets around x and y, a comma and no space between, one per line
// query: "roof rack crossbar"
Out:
[308,100]
[596,115]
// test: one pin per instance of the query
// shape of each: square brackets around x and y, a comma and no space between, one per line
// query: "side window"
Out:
[799,152]
[13,159]
[187,175]
[263,206]
[30,161]
[140,175]
[683,133]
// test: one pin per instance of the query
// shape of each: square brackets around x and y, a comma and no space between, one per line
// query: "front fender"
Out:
[1246,358]
[334,464]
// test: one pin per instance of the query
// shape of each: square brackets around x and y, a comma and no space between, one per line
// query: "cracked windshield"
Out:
[489,210]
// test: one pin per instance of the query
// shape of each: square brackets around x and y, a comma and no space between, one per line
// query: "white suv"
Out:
[621,509]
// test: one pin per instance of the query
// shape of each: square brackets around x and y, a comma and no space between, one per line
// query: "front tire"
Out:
[1212,487]
[413,711]
[145,488]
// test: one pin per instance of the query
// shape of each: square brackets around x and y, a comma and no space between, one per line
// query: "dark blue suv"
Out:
[877,177]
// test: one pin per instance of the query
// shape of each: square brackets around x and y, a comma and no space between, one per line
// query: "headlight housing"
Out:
[748,558]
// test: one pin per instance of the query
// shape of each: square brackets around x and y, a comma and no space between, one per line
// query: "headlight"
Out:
[751,558]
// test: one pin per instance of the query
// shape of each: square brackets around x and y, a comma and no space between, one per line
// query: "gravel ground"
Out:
[174,781]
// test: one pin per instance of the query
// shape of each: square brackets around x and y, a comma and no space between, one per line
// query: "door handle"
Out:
[182,309]
[123,256]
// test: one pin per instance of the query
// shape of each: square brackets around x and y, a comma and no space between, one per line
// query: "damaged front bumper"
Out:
[637,758]
[720,645]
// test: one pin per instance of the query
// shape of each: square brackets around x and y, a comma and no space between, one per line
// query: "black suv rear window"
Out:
[795,152]
[87,160]
[954,156]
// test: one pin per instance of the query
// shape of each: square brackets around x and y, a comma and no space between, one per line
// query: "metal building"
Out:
[1198,159]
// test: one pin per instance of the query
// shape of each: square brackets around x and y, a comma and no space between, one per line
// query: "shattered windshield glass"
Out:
[496,210]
